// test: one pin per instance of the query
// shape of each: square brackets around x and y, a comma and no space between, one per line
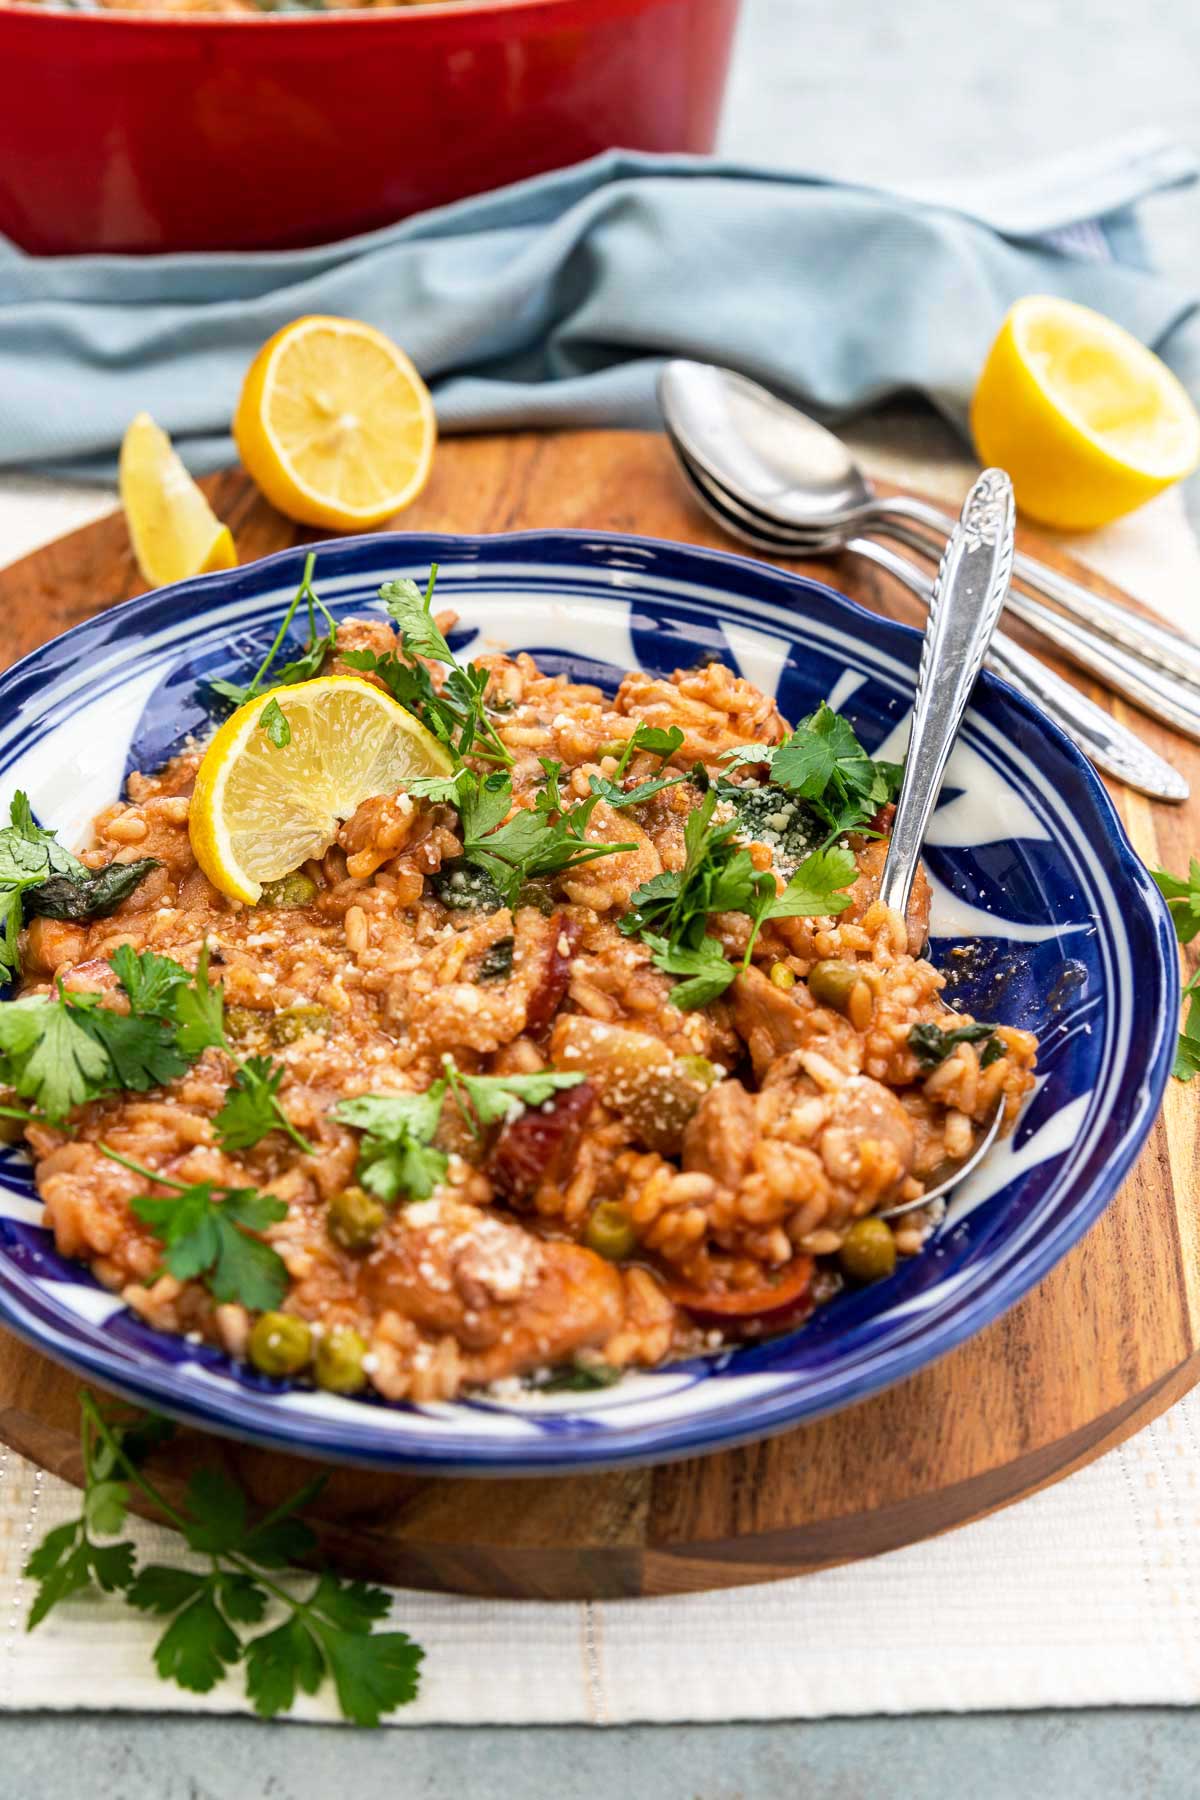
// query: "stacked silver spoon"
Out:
[776,479]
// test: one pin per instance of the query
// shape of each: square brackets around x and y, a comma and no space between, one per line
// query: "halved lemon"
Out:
[1088,422]
[175,531]
[335,424]
[260,810]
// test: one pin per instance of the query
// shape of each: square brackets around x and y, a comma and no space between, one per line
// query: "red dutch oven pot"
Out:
[135,132]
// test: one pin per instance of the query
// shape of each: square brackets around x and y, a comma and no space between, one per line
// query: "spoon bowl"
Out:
[767,455]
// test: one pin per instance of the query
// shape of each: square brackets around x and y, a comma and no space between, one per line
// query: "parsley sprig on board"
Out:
[320,1629]
[40,878]
[1182,895]
[398,1158]
[302,668]
[670,912]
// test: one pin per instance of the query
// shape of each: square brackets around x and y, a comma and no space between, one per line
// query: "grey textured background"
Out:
[870,90]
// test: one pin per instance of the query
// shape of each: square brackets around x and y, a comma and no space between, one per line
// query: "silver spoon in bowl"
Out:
[964,607]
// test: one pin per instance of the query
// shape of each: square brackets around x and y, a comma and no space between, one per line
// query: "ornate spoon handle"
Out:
[970,590]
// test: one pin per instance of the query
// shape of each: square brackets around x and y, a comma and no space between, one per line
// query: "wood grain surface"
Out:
[1108,1340]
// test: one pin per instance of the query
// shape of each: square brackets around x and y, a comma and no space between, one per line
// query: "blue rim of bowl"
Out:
[310,1435]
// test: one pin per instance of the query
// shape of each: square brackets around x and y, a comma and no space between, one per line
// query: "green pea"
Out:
[842,987]
[280,1344]
[868,1251]
[289,891]
[355,1218]
[339,1361]
[830,983]
[297,1022]
[609,1231]
[782,976]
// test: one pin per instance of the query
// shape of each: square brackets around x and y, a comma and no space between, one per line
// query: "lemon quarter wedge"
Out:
[175,531]
[1088,422]
[260,809]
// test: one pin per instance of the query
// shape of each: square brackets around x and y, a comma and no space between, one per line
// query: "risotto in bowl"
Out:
[469,1036]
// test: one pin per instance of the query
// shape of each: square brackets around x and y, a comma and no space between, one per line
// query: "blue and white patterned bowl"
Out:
[1029,865]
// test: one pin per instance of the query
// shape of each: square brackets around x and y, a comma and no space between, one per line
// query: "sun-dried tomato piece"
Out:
[538,1144]
[562,941]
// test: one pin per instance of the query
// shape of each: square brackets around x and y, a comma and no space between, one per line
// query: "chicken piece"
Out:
[605,884]
[512,1301]
[863,895]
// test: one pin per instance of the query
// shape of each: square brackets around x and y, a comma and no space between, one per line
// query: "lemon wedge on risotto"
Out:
[267,800]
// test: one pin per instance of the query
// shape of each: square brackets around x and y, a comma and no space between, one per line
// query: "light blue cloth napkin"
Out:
[553,302]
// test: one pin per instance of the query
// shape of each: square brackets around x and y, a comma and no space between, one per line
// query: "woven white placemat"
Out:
[1085,1595]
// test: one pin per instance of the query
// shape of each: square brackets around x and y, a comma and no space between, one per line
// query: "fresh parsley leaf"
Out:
[142,1052]
[823,763]
[1187,1052]
[273,721]
[39,878]
[456,713]
[491,1099]
[450,790]
[645,790]
[815,890]
[303,667]
[199,1644]
[372,1675]
[397,1159]
[280,1661]
[535,841]
[931,1045]
[717,876]
[745,755]
[48,1056]
[207,1238]
[93,895]
[105,1506]
[408,608]
[61,1053]
[484,802]
[24,827]
[148,979]
[252,1107]
[395,1116]
[708,970]
[1182,895]
[657,741]
[200,1012]
[671,911]
[217,1507]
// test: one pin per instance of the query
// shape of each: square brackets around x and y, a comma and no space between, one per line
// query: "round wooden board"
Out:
[1107,1341]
